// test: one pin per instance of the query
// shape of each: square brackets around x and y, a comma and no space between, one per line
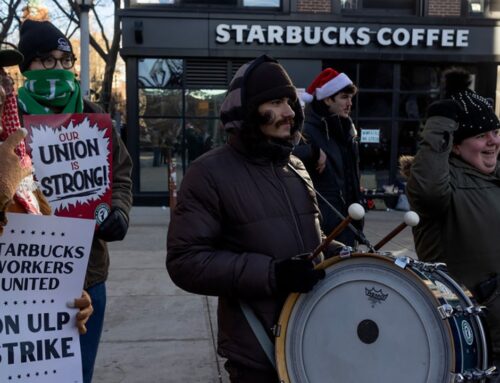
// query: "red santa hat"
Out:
[326,84]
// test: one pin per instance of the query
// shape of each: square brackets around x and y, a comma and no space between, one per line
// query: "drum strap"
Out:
[359,234]
[259,331]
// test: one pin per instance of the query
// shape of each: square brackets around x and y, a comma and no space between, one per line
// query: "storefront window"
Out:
[349,4]
[160,102]
[245,3]
[205,2]
[408,137]
[374,104]
[388,4]
[378,76]
[133,2]
[375,150]
[176,125]
[160,73]
[161,107]
[399,6]
[482,7]
[476,6]
[204,102]
[261,3]
[412,106]
[420,77]
[159,142]
[201,135]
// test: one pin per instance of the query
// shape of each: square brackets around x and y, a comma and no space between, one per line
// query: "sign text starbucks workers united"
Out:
[43,260]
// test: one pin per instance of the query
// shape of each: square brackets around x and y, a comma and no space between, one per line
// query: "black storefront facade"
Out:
[179,64]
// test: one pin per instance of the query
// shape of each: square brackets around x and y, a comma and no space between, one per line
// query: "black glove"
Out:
[114,227]
[296,275]
[445,108]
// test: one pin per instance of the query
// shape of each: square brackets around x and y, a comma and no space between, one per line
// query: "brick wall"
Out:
[444,8]
[316,6]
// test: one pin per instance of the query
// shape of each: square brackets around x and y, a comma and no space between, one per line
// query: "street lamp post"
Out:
[84,6]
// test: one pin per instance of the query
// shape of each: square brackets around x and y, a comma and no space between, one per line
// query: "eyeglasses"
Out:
[50,62]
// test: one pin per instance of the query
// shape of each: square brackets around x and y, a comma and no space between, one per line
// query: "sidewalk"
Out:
[155,332]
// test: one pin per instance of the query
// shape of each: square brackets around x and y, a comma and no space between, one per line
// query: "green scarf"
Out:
[50,91]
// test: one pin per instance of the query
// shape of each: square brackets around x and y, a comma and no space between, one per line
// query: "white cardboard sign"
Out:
[43,260]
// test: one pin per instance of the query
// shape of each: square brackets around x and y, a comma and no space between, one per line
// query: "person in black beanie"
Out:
[330,148]
[244,220]
[50,88]
[454,185]
[38,39]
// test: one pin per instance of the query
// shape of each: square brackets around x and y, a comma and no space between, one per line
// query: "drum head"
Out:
[367,321]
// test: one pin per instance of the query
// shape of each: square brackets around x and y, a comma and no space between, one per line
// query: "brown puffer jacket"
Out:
[121,197]
[235,215]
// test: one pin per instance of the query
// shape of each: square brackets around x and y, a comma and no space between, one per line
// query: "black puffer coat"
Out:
[236,214]
[339,181]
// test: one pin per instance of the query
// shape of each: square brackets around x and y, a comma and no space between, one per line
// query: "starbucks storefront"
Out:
[180,64]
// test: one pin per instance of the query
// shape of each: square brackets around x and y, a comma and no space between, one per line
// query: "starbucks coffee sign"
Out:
[342,35]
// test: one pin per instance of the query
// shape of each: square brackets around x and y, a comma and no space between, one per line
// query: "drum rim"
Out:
[465,292]
[286,311]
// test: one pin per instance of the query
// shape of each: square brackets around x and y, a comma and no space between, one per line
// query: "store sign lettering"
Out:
[342,36]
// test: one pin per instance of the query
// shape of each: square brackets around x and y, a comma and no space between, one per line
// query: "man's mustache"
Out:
[268,117]
[285,121]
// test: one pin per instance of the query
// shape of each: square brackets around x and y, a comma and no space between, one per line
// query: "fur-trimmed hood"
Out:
[405,163]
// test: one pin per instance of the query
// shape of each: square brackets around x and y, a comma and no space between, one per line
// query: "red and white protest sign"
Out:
[72,159]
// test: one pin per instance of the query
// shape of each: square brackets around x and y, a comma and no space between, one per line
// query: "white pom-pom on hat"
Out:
[307,97]
[327,83]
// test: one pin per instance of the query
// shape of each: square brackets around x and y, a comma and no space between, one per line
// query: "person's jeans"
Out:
[89,342]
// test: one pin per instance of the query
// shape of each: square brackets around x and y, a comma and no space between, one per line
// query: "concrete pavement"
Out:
[155,332]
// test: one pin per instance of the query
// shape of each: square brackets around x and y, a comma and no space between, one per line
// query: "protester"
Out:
[245,218]
[454,185]
[329,148]
[19,192]
[48,60]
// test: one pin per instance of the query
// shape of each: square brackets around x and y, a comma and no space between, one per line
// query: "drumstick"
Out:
[410,219]
[356,212]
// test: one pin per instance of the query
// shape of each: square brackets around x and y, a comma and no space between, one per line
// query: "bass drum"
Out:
[375,318]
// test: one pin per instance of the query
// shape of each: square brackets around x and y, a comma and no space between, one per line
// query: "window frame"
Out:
[486,13]
[360,10]
[283,7]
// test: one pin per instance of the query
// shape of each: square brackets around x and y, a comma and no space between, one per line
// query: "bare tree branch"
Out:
[105,47]
[65,12]
[101,27]
[7,19]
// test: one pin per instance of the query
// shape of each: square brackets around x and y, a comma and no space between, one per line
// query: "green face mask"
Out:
[49,91]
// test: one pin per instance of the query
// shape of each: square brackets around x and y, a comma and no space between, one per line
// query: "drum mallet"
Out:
[356,212]
[410,219]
